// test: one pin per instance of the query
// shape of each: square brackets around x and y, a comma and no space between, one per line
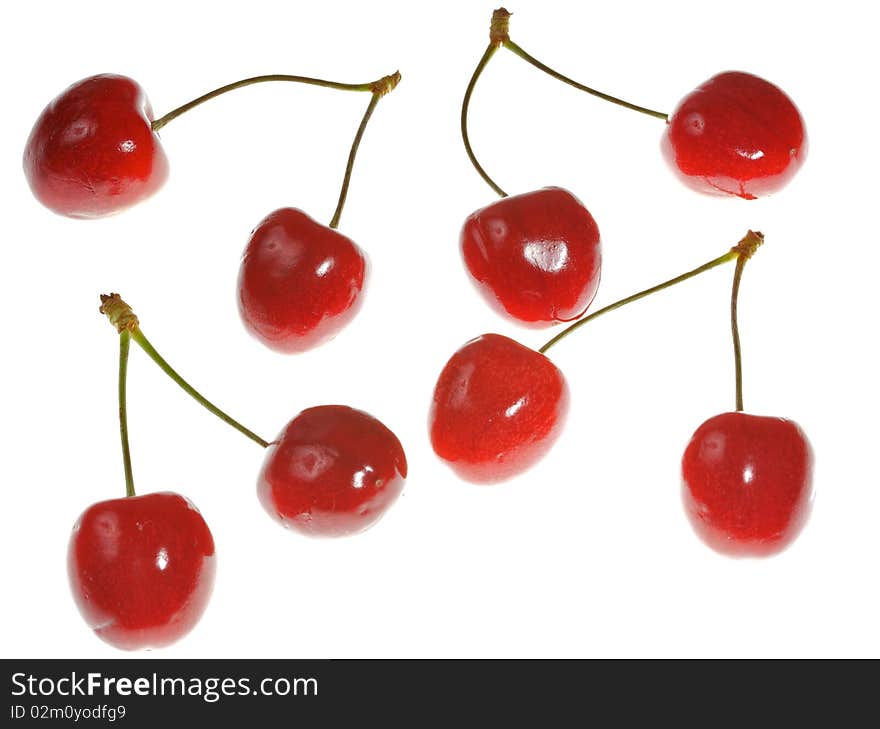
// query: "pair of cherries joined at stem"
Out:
[536,257]
[95,151]
[142,567]
[499,406]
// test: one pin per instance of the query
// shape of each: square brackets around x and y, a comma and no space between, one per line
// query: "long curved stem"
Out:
[742,250]
[171,115]
[465,105]
[138,336]
[729,256]
[346,180]
[124,344]
[734,327]
[126,322]
[511,46]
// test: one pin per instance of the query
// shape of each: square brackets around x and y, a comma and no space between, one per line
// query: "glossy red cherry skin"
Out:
[498,408]
[737,134]
[748,483]
[535,257]
[300,281]
[332,472]
[92,152]
[141,569]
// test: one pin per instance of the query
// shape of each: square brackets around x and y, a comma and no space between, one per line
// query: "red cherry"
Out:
[748,483]
[92,152]
[141,569]
[498,407]
[299,282]
[536,256]
[737,134]
[332,472]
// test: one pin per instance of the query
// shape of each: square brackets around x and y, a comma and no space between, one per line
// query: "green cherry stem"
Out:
[511,46]
[379,88]
[514,48]
[123,318]
[370,86]
[734,324]
[124,344]
[498,33]
[465,105]
[741,252]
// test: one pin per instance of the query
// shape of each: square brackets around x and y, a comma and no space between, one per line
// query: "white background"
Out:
[589,553]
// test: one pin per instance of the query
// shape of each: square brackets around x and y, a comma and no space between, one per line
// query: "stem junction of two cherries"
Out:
[499,36]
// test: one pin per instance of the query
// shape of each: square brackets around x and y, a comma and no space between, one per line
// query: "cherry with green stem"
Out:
[141,568]
[747,480]
[333,471]
[95,149]
[300,281]
[735,135]
[498,406]
[535,257]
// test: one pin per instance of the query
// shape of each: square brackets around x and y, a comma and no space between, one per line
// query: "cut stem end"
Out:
[119,313]
[750,243]
[499,27]
[386,84]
